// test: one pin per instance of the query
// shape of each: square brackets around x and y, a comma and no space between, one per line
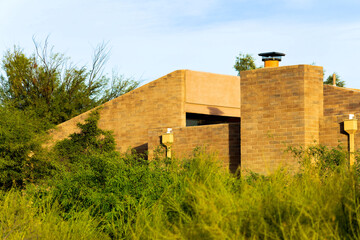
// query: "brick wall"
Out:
[338,104]
[210,93]
[280,106]
[314,104]
[224,139]
[157,104]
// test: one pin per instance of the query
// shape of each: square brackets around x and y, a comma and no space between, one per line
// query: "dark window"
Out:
[194,119]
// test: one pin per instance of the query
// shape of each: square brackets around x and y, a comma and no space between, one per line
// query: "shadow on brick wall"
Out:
[234,147]
[141,149]
[215,111]
[342,131]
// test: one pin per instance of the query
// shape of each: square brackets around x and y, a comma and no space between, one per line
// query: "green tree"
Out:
[244,62]
[49,84]
[338,82]
[22,158]
[119,85]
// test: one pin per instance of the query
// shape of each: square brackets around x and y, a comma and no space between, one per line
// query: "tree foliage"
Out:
[43,89]
[49,84]
[338,82]
[21,156]
[244,62]
[119,86]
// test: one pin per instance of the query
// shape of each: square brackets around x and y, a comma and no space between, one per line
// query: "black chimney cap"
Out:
[271,54]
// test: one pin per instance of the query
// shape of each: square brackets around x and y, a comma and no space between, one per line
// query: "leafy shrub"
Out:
[89,141]
[321,156]
[98,178]
[22,158]
[196,198]
[283,205]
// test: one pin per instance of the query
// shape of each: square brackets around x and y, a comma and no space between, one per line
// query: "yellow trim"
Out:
[271,63]
[350,126]
[167,140]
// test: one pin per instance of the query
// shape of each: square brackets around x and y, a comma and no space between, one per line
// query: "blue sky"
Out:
[149,39]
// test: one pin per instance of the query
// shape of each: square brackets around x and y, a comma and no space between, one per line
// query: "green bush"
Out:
[322,157]
[22,158]
[89,141]
[282,205]
[96,177]
[127,196]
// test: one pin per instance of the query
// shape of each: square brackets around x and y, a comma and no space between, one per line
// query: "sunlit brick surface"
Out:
[279,107]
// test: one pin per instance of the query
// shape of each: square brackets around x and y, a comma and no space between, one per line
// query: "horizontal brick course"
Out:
[338,104]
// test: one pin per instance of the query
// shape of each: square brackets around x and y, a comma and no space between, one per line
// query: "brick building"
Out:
[248,122]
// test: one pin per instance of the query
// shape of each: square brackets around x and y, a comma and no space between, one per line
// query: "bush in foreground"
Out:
[125,196]
[21,218]
[195,198]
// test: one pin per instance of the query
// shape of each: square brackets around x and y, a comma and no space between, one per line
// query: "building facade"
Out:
[248,122]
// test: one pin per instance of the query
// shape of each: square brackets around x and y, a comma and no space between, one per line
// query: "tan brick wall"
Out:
[339,100]
[280,106]
[314,104]
[214,94]
[223,139]
[157,104]
[338,104]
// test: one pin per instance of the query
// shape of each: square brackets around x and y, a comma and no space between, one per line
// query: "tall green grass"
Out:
[22,218]
[192,198]
[83,189]
[213,204]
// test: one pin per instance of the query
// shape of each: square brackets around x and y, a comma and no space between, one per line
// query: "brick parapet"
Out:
[223,139]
